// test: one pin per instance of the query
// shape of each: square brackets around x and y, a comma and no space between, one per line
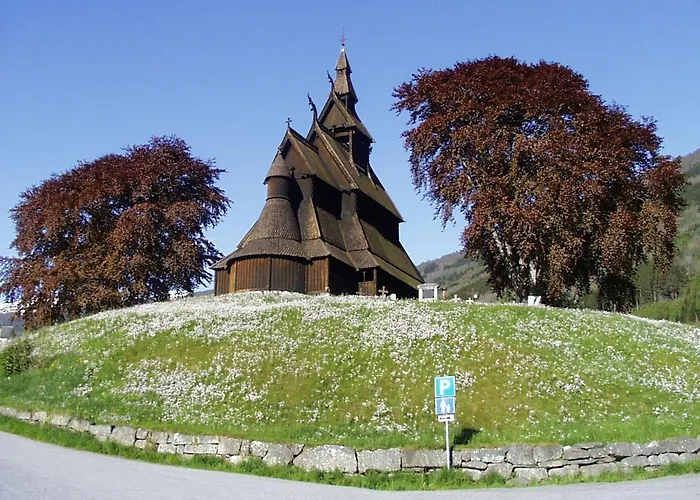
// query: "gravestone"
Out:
[7,332]
[429,291]
[534,300]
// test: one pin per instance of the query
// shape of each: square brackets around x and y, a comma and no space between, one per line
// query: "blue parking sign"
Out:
[444,406]
[444,387]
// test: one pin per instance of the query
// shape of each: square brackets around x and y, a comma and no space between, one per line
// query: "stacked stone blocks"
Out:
[518,463]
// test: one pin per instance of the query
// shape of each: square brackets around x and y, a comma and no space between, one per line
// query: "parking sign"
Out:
[444,406]
[445,387]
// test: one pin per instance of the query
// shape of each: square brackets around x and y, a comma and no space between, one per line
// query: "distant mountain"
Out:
[460,276]
[465,277]
[688,239]
[690,160]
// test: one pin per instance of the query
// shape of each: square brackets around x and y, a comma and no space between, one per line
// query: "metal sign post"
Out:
[445,408]
[447,445]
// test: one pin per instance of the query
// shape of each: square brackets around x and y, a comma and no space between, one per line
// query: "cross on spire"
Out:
[289,122]
[342,39]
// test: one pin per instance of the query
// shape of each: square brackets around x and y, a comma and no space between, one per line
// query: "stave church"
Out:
[328,225]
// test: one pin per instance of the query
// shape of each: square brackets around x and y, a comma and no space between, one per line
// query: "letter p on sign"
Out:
[444,387]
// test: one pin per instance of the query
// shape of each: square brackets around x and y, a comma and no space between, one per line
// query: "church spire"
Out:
[343,84]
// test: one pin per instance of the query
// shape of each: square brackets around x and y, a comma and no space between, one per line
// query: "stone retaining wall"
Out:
[520,463]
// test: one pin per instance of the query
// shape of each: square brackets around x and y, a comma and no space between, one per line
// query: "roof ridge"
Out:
[325,139]
[354,119]
[293,140]
[298,136]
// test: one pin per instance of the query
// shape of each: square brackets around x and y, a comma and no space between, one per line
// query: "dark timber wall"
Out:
[221,282]
[268,273]
[317,276]
[287,274]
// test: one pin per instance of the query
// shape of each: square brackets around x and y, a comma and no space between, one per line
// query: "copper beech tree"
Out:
[120,230]
[559,188]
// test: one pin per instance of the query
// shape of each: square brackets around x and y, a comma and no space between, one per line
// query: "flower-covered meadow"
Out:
[359,371]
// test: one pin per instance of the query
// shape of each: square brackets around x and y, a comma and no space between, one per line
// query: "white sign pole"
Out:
[447,444]
[445,408]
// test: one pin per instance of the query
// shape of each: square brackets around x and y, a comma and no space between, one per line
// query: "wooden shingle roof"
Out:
[368,182]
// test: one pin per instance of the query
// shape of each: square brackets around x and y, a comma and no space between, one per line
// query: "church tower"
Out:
[327,225]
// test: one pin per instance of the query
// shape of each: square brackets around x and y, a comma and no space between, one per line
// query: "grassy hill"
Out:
[359,371]
[463,277]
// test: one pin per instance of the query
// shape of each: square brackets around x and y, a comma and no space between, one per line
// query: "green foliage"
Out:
[669,310]
[690,160]
[690,302]
[685,309]
[691,193]
[16,357]
[652,285]
[693,171]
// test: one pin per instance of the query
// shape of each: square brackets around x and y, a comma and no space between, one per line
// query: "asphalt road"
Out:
[38,471]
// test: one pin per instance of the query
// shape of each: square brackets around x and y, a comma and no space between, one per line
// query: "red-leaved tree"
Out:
[559,189]
[120,230]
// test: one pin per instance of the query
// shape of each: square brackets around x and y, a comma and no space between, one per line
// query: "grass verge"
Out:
[358,371]
[399,481]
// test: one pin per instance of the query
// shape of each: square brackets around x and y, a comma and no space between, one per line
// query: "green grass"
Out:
[400,481]
[358,371]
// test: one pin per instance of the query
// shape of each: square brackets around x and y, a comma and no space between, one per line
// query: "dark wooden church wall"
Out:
[394,285]
[232,278]
[269,273]
[287,274]
[360,151]
[373,213]
[253,273]
[367,282]
[317,276]
[343,278]
[327,197]
[221,282]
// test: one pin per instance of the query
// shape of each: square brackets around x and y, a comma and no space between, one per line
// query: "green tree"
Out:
[559,189]
[690,302]
[120,230]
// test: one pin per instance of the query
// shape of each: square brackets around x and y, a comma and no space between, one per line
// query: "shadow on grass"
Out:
[465,435]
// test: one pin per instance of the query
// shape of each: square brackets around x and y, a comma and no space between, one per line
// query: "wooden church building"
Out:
[328,225]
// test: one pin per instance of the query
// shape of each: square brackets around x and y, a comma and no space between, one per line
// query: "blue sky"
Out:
[80,79]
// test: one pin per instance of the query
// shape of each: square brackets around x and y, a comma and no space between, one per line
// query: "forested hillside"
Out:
[460,276]
[688,240]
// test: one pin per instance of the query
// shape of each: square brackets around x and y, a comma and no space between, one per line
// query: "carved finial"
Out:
[342,40]
[313,106]
[289,122]
[330,78]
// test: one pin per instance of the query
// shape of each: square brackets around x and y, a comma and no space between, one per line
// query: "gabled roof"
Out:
[389,251]
[368,183]
[312,162]
[351,119]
